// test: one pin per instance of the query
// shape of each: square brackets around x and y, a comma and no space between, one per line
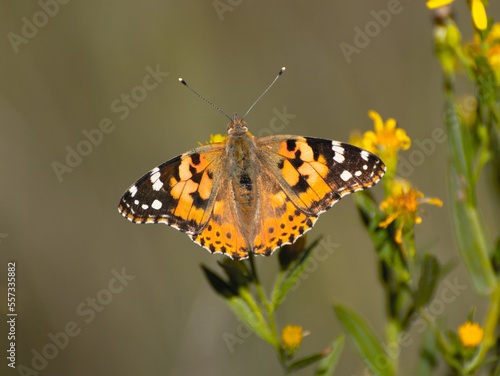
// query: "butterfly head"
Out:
[237,126]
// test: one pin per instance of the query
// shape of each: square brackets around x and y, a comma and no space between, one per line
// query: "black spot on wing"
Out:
[297,161]
[195,158]
[302,185]
[291,144]
[198,202]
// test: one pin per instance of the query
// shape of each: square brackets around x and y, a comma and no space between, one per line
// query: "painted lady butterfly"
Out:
[250,194]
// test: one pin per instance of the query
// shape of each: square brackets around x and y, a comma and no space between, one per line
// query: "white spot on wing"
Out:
[365,155]
[339,158]
[136,202]
[346,175]
[155,177]
[157,185]
[365,167]
[132,190]
[156,204]
[357,173]
[144,206]
[338,149]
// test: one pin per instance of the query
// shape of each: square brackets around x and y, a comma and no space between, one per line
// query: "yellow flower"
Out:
[403,203]
[291,337]
[479,14]
[470,334]
[385,141]
[215,139]
[477,9]
[386,138]
[364,142]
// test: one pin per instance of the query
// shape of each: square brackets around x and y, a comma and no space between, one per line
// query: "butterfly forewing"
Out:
[315,173]
[179,192]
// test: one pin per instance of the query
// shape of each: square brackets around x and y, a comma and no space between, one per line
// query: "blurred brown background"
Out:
[60,79]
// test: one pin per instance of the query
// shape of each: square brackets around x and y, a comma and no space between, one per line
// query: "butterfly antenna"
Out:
[258,99]
[206,100]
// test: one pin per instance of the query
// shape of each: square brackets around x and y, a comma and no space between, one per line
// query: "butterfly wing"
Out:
[279,221]
[180,193]
[305,177]
[224,233]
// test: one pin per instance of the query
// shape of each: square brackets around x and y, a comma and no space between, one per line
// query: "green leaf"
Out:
[291,252]
[292,275]
[304,362]
[218,284]
[428,278]
[472,242]
[253,320]
[238,302]
[468,227]
[365,343]
[237,278]
[328,364]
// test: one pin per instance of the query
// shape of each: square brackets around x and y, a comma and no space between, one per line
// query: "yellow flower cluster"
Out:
[403,202]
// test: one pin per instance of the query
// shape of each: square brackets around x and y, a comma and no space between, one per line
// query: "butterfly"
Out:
[250,194]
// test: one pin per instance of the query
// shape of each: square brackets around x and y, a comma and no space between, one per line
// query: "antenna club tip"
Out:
[282,69]
[181,80]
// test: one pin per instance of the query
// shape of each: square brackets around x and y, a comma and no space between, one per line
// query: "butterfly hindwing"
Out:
[180,192]
[223,233]
[279,222]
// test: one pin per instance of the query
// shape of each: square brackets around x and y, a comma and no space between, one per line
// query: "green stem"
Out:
[269,311]
[489,330]
[276,288]
[392,331]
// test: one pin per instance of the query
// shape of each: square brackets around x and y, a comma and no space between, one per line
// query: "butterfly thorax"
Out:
[243,169]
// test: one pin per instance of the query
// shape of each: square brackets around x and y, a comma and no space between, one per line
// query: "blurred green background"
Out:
[61,78]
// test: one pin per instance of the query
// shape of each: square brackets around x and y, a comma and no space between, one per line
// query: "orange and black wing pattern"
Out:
[180,193]
[308,176]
